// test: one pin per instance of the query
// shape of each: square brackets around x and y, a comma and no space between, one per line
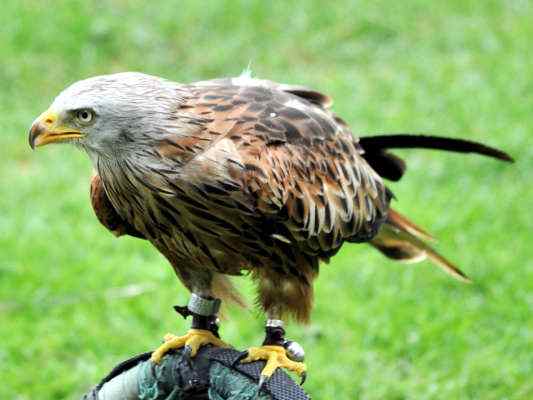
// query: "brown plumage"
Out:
[248,175]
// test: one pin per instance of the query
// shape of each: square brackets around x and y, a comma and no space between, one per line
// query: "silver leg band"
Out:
[274,323]
[202,306]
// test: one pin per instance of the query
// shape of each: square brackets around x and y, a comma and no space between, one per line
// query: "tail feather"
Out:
[392,167]
[398,237]
[402,240]
[408,141]
[398,220]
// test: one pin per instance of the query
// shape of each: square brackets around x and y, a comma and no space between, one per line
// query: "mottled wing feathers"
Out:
[310,95]
[300,164]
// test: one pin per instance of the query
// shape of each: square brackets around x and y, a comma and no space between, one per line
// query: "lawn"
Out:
[74,300]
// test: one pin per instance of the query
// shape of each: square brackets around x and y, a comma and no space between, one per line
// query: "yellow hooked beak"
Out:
[46,130]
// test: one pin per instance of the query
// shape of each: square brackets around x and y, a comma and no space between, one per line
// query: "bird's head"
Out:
[106,114]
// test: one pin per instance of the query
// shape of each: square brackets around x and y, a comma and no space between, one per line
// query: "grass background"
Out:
[74,300]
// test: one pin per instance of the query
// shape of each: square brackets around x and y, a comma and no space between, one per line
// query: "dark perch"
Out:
[210,375]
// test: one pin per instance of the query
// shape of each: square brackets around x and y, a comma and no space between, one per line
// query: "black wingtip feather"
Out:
[411,141]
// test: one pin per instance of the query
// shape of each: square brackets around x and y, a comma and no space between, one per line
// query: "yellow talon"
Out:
[275,357]
[194,338]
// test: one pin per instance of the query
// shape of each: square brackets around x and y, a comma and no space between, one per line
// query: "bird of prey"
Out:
[239,175]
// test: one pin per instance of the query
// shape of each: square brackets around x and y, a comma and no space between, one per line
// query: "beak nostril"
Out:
[48,121]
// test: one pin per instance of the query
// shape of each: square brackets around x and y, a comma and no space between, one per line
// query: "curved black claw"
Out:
[186,354]
[303,377]
[240,357]
[263,379]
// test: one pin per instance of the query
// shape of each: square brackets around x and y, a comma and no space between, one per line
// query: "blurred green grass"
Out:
[74,301]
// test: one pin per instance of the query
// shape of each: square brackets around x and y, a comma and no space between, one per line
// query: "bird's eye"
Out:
[84,116]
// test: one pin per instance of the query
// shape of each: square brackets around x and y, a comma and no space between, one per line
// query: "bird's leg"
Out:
[204,328]
[277,352]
